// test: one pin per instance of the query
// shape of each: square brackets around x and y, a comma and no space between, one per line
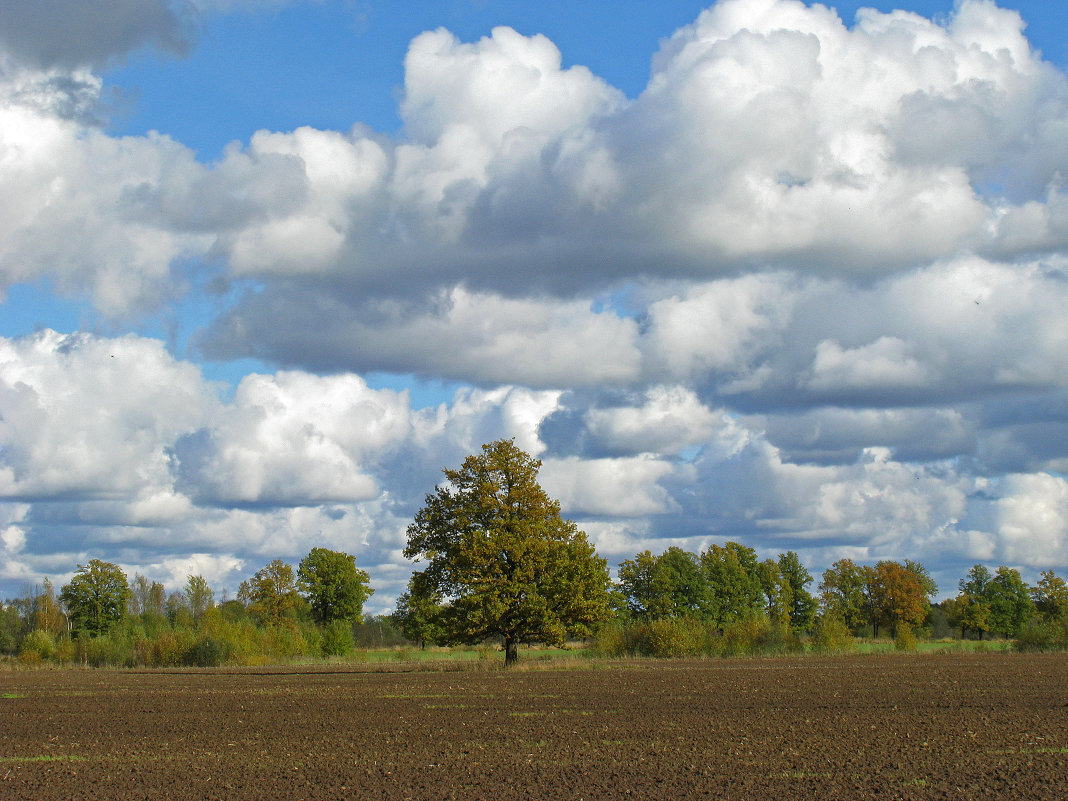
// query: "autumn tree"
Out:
[896,595]
[271,594]
[502,559]
[333,586]
[96,597]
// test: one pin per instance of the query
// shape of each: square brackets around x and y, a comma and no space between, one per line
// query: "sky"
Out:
[769,271]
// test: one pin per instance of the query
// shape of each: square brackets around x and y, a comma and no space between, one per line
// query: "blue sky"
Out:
[757,274]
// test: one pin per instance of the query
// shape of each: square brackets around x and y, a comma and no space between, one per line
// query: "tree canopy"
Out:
[333,586]
[96,597]
[502,559]
[271,594]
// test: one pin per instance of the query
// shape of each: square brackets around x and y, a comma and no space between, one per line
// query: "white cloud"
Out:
[807,289]
[1032,519]
[294,438]
[624,487]
[85,417]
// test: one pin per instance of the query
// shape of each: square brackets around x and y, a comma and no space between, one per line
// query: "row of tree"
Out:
[278,612]
[501,563]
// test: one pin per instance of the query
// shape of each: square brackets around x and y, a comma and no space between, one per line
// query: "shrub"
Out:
[614,640]
[831,635]
[743,636]
[1048,636]
[905,639]
[673,637]
[337,639]
[113,649]
[207,652]
[171,648]
[778,639]
[38,645]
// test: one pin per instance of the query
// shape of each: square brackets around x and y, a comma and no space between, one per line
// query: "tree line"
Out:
[100,617]
[499,563]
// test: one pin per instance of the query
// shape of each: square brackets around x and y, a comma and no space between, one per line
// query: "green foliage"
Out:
[199,596]
[1043,636]
[842,595]
[37,645]
[1050,597]
[96,597]
[669,585]
[337,639]
[207,652]
[271,594]
[333,586]
[802,605]
[733,576]
[1010,602]
[502,558]
[419,613]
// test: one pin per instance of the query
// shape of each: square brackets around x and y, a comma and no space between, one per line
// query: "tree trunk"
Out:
[511,651]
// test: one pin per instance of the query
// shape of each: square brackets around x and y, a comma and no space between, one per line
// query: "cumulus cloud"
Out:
[770,135]
[806,290]
[1032,517]
[84,417]
[293,438]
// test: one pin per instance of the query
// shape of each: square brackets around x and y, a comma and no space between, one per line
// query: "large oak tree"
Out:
[502,559]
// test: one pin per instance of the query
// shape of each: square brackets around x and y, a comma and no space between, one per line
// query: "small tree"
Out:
[333,586]
[48,616]
[733,576]
[1050,597]
[96,597]
[501,557]
[271,594]
[802,605]
[199,595]
[419,613]
[842,594]
[1010,602]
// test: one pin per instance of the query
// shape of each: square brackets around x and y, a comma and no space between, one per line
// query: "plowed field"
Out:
[957,726]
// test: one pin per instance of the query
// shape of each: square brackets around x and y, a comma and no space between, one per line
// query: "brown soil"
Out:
[950,726]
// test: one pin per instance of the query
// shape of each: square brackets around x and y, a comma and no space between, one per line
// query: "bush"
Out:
[832,636]
[673,637]
[742,637]
[778,639]
[207,652]
[905,639]
[38,645]
[171,647]
[337,639]
[614,640]
[1048,636]
[113,649]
